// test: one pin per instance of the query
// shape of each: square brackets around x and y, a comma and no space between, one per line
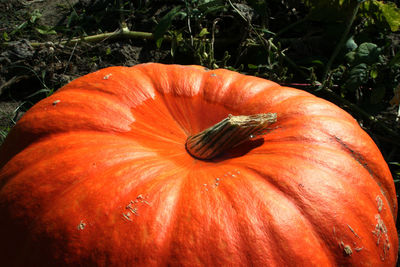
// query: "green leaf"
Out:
[35,16]
[45,30]
[159,42]
[6,37]
[350,57]
[165,23]
[317,62]
[386,13]
[267,31]
[19,27]
[203,32]
[391,13]
[358,75]
[373,73]
[395,163]
[252,66]
[351,44]
[367,53]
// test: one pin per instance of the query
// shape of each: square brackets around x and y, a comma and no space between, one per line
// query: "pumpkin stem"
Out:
[228,133]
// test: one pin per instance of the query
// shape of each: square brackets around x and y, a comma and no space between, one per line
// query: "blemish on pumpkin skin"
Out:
[205,187]
[218,180]
[355,155]
[56,102]
[380,203]
[354,232]
[107,76]
[127,216]
[346,249]
[133,207]
[382,238]
[81,225]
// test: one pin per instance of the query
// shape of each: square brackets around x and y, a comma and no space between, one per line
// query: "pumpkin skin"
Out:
[98,175]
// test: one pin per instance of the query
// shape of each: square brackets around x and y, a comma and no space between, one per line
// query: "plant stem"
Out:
[228,133]
[339,46]
[122,33]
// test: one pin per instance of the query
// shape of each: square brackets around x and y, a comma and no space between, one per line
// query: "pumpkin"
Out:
[111,170]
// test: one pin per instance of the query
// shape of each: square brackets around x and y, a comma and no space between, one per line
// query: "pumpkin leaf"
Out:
[165,23]
[203,32]
[351,44]
[358,75]
[384,12]
[391,13]
[368,53]
[373,73]
[350,57]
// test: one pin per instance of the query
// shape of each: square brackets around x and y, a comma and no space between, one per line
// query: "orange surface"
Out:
[98,174]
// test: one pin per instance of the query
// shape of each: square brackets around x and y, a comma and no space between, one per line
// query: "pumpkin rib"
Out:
[320,233]
[307,218]
[61,196]
[223,215]
[311,106]
[119,213]
[117,82]
[279,225]
[364,163]
[327,217]
[36,122]
[100,239]
[329,136]
[66,156]
[333,165]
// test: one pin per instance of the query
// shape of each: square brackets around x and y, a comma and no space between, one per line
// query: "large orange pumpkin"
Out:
[99,174]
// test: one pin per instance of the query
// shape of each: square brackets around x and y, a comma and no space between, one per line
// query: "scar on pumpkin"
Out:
[381,233]
[346,249]
[132,207]
[81,225]
[379,203]
[107,76]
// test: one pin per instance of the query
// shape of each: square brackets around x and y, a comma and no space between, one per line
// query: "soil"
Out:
[28,74]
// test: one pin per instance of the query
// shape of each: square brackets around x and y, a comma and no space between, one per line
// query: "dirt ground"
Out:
[28,73]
